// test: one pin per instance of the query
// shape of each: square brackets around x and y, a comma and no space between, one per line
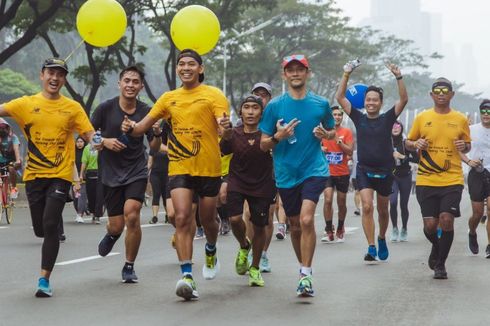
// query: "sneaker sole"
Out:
[305,295]
[211,277]
[340,240]
[42,294]
[440,277]
[130,281]
[185,291]
[280,236]
[255,284]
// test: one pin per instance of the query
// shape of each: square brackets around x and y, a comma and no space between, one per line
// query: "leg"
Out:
[269,228]
[182,203]
[367,195]
[394,204]
[207,213]
[132,209]
[405,186]
[295,232]
[383,214]
[477,213]
[327,207]
[308,235]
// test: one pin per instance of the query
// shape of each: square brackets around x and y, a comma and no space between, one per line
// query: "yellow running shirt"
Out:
[193,139]
[440,164]
[49,126]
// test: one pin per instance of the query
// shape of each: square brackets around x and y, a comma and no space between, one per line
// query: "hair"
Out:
[398,139]
[376,89]
[134,68]
[336,107]
[253,99]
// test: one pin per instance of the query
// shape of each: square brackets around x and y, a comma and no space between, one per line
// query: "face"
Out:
[4,130]
[130,84]
[397,129]
[372,102]
[188,70]
[441,95]
[295,74]
[251,113]
[338,116]
[80,143]
[485,116]
[52,80]
[263,94]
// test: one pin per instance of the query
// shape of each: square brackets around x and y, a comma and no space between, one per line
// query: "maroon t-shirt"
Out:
[250,168]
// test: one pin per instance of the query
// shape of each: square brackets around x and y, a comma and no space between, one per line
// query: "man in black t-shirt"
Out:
[249,179]
[375,155]
[123,166]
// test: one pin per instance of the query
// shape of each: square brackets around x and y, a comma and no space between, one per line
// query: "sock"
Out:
[432,237]
[341,224]
[223,214]
[210,249]
[307,271]
[246,247]
[445,243]
[186,267]
[264,253]
[329,226]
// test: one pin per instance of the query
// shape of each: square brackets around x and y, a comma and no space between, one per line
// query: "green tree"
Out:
[14,85]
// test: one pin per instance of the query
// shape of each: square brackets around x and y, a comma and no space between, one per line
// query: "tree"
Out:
[14,85]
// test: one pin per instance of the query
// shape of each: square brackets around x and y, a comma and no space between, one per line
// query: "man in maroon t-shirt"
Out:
[249,179]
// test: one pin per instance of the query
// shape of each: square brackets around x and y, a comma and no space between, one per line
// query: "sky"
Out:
[463,22]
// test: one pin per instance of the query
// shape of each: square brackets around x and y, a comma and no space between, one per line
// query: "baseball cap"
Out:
[55,63]
[295,57]
[265,86]
[443,82]
[252,98]
[189,53]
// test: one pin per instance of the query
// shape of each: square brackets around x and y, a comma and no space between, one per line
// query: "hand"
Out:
[399,156]
[474,163]
[224,122]
[287,130]
[460,145]
[351,65]
[76,186]
[113,144]
[421,144]
[17,165]
[155,127]
[395,70]
[322,133]
[127,124]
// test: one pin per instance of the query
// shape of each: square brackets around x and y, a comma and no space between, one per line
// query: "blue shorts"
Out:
[292,198]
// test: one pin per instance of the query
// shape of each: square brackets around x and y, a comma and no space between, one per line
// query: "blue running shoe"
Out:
[106,244]
[128,274]
[371,256]
[43,288]
[305,287]
[382,249]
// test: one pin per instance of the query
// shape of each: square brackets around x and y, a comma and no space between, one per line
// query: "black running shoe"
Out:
[128,274]
[62,238]
[106,244]
[473,243]
[434,255]
[440,273]
[487,252]
[483,219]
[154,220]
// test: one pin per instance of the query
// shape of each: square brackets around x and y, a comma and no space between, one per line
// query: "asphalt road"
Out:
[348,292]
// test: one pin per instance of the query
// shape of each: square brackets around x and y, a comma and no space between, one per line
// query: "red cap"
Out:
[295,57]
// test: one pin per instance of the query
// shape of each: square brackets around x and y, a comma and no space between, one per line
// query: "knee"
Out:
[328,203]
[132,221]
[294,225]
[307,222]
[367,208]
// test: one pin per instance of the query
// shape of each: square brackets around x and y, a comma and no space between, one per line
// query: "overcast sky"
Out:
[463,22]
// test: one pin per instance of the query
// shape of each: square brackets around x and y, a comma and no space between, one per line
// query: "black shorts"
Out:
[341,183]
[195,197]
[479,185]
[374,180]
[292,198]
[436,200]
[258,206]
[354,184]
[115,197]
[203,186]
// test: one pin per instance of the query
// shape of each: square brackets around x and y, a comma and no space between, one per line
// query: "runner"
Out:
[51,157]
[375,155]
[123,167]
[195,111]
[337,151]
[158,167]
[250,179]
[10,154]
[439,133]
[292,128]
[80,202]
[89,174]
[479,176]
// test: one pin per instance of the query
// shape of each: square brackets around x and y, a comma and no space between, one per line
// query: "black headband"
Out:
[442,84]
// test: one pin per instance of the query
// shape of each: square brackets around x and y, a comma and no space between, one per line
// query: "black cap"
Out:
[485,104]
[443,82]
[55,63]
[189,53]
[254,99]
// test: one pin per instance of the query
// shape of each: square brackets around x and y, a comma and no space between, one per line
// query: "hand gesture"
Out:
[351,65]
[127,124]
[285,130]
[113,144]
[395,70]
[156,127]
[322,133]
[224,122]
[422,144]
[460,145]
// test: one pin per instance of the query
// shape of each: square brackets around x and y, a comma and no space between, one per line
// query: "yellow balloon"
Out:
[195,27]
[101,22]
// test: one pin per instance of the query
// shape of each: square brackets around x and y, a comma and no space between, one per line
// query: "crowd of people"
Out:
[214,177]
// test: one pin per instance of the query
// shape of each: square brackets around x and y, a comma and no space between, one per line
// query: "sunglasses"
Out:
[485,111]
[440,90]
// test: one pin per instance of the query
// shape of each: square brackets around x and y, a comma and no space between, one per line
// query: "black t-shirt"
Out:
[374,145]
[78,158]
[402,167]
[250,170]
[160,163]
[130,164]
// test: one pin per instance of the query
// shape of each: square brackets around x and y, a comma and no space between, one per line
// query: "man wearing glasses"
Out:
[479,176]
[293,126]
[440,133]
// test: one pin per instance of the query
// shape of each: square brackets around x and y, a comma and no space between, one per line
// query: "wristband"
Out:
[274,140]
[399,77]
[346,75]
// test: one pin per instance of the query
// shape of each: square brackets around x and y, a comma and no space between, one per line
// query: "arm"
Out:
[402,90]
[157,137]
[462,146]
[87,136]
[346,148]
[340,94]
[76,178]
[82,171]
[136,129]
[150,163]
[3,112]
[17,154]
[268,142]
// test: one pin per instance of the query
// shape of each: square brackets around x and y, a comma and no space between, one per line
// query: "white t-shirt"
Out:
[480,144]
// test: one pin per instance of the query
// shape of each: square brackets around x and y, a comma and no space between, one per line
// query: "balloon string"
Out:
[73,51]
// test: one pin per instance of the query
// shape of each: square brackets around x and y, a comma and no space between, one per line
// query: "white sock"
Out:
[306,271]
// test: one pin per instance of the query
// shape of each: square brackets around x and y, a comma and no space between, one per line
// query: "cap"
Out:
[189,53]
[4,122]
[252,98]
[55,63]
[485,104]
[443,82]
[265,86]
[295,57]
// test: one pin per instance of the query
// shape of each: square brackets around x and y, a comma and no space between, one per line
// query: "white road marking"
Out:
[81,260]
[350,230]
[4,227]
[153,225]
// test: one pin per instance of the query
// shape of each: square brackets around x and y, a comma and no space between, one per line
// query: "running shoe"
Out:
[329,237]
[440,272]
[483,219]
[371,255]
[186,288]
[281,232]
[305,287]
[255,278]
[97,220]
[403,235]
[106,244]
[62,238]
[79,219]
[225,227]
[14,193]
[154,220]
[241,261]
[487,252]
[433,257]
[395,235]
[43,288]
[340,235]
[128,274]
[264,264]
[211,267]
[473,243]
[199,233]
[357,212]
[382,249]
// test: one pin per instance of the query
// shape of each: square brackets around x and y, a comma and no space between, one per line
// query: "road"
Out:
[88,291]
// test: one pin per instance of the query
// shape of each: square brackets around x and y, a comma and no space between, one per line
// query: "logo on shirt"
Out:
[36,110]
[251,142]
[452,125]
[428,124]
[428,166]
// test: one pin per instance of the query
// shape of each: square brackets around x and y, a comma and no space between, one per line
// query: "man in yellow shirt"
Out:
[195,112]
[440,133]
[51,156]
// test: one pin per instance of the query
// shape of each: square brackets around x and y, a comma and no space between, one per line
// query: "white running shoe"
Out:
[211,267]
[79,219]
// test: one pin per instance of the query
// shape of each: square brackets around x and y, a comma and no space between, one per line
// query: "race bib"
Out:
[334,157]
